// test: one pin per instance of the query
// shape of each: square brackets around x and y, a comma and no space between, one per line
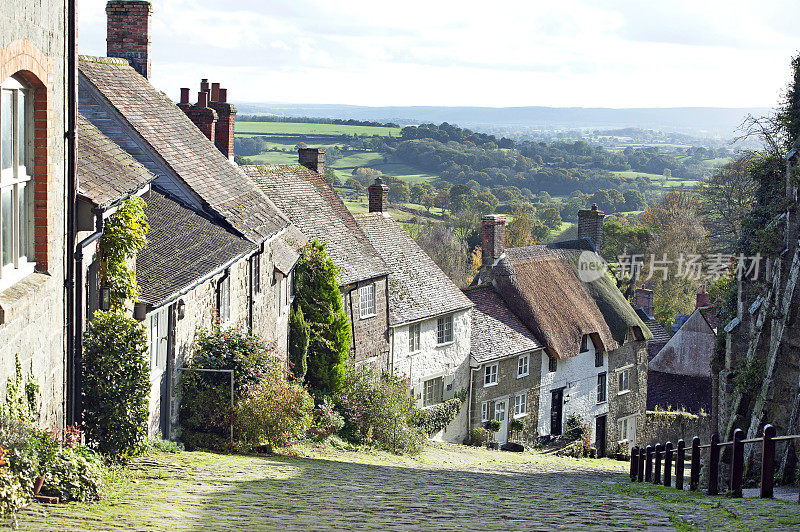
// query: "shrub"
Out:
[21,395]
[276,412]
[299,335]
[478,436]
[437,417]
[14,494]
[72,476]
[116,383]
[577,429]
[378,410]
[492,425]
[327,421]
[162,446]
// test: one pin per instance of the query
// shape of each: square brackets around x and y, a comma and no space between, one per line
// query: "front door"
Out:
[600,436]
[159,333]
[556,412]
[501,415]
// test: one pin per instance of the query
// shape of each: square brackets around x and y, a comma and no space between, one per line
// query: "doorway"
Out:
[501,436]
[556,411]
[600,436]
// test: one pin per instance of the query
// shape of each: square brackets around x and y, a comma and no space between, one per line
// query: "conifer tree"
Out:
[299,336]
[320,300]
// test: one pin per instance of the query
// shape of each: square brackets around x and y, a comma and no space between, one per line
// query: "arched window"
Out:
[16,185]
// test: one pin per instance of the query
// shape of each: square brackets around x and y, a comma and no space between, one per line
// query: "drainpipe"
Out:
[77,364]
[71,171]
[469,405]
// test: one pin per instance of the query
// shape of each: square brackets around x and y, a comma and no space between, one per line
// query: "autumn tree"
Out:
[525,230]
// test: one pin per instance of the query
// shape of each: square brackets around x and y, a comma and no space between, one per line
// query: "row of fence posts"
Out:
[646,463]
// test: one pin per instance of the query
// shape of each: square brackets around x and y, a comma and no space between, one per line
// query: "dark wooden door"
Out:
[556,412]
[600,436]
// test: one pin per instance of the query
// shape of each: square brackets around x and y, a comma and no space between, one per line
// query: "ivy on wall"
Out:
[124,234]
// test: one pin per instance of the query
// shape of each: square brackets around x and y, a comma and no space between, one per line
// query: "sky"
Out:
[567,53]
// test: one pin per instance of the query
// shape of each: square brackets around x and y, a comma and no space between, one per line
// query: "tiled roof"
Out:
[312,205]
[182,248]
[659,334]
[418,288]
[689,352]
[106,173]
[496,331]
[185,149]
[680,319]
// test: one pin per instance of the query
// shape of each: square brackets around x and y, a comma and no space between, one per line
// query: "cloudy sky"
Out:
[581,53]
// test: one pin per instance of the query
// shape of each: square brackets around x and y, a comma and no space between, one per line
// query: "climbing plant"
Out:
[21,395]
[124,234]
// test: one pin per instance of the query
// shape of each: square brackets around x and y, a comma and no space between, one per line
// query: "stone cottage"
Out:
[218,248]
[300,190]
[429,317]
[35,195]
[593,363]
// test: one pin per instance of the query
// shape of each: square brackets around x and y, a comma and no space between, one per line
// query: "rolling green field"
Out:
[296,128]
[657,179]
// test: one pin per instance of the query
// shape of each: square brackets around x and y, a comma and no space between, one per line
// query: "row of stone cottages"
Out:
[530,340]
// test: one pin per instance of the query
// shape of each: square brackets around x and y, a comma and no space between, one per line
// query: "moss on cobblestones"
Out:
[447,487]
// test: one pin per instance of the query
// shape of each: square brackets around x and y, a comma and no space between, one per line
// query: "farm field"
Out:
[297,128]
[657,179]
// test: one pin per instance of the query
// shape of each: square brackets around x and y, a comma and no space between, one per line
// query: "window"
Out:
[280,286]
[490,375]
[627,430]
[224,299]
[16,187]
[552,364]
[585,343]
[522,365]
[500,411]
[598,359]
[485,411]
[433,391]
[444,330]
[601,388]
[154,340]
[366,301]
[290,287]
[413,338]
[624,384]
[520,405]
[255,273]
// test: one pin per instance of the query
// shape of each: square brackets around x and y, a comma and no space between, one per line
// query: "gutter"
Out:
[71,394]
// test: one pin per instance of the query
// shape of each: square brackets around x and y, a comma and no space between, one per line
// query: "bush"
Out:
[436,418]
[378,410]
[327,421]
[492,425]
[577,429]
[299,335]
[14,494]
[116,383]
[478,436]
[72,476]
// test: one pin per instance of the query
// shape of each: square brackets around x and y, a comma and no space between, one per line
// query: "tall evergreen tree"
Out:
[320,300]
[299,336]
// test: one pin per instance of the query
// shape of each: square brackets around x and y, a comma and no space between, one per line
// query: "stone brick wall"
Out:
[128,30]
[590,224]
[32,311]
[507,386]
[631,355]
[662,427]
[370,336]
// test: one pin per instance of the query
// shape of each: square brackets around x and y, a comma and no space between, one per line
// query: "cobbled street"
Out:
[446,488]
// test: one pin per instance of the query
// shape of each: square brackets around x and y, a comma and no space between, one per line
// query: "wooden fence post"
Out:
[634,463]
[640,477]
[668,464]
[737,464]
[680,465]
[694,472]
[713,466]
[648,466]
[768,463]
[657,473]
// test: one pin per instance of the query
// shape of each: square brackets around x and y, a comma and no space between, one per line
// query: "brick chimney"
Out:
[128,33]
[378,196]
[203,116]
[590,225]
[226,115]
[313,159]
[493,238]
[703,298]
[644,300]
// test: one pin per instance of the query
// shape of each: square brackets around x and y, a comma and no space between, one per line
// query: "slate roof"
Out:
[418,288]
[183,247]
[311,204]
[660,336]
[175,138]
[106,173]
[496,331]
[680,319]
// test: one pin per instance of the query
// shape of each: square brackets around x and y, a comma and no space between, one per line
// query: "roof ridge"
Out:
[104,60]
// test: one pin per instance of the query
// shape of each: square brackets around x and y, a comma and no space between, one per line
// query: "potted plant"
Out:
[492,426]
[517,426]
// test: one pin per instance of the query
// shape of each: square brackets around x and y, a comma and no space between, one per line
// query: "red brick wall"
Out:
[128,34]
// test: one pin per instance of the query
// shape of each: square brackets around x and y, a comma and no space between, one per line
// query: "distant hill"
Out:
[695,121]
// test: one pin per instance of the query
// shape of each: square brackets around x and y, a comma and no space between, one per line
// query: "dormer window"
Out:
[585,343]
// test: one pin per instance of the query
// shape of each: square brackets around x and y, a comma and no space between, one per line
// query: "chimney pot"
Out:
[185,95]
[204,84]
[215,92]
[202,99]
[493,237]
[223,95]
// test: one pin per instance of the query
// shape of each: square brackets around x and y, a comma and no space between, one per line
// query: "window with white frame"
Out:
[224,299]
[623,381]
[500,411]
[601,388]
[485,411]
[154,340]
[280,286]
[444,330]
[433,391]
[255,272]
[16,185]
[366,301]
[523,364]
[627,430]
[290,287]
[413,337]
[520,405]
[490,375]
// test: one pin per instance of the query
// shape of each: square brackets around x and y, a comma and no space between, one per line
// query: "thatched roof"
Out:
[541,287]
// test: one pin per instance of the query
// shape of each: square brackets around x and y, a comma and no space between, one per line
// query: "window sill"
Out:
[517,416]
[367,316]
[16,298]
[523,375]
[602,402]
[445,344]
[623,392]
[489,385]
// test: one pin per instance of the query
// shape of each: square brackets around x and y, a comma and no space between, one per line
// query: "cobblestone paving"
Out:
[446,488]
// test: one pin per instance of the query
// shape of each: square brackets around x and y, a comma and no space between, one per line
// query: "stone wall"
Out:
[663,426]
[370,336]
[631,355]
[32,311]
